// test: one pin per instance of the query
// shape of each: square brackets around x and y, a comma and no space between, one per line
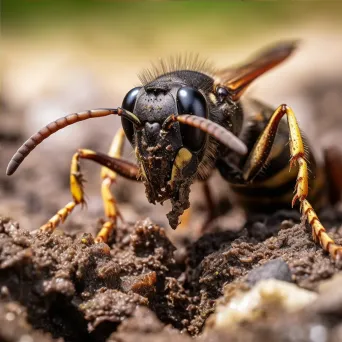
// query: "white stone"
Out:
[248,306]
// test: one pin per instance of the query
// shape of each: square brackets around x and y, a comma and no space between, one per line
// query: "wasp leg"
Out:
[109,177]
[258,157]
[120,166]
[76,189]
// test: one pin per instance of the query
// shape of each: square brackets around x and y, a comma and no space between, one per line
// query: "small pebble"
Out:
[274,269]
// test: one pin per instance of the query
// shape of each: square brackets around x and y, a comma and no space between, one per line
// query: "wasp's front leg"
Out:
[77,192]
[258,158]
[116,165]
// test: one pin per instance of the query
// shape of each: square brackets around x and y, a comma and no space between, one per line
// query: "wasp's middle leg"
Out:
[108,178]
[259,156]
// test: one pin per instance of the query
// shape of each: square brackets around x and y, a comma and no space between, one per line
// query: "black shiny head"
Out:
[170,156]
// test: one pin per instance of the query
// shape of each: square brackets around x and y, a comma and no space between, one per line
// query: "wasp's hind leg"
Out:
[108,178]
[258,158]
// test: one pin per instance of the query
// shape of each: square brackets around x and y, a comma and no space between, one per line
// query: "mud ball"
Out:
[274,269]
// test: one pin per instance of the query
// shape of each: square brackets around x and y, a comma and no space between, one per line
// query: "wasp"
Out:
[183,122]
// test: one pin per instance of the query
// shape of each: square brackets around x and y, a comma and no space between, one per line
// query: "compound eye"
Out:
[128,103]
[191,101]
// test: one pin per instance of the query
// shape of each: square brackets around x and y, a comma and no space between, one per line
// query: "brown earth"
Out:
[72,288]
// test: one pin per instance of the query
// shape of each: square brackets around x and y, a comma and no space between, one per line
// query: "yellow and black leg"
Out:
[108,178]
[258,158]
[116,165]
[77,192]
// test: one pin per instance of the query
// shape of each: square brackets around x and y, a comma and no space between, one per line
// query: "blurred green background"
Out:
[210,18]
[153,24]
[117,39]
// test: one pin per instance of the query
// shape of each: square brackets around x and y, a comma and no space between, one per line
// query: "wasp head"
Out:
[168,154]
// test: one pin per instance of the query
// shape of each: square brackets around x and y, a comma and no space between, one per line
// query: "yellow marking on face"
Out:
[182,159]
[213,98]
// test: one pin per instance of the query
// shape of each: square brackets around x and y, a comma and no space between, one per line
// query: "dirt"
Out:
[74,289]
[148,283]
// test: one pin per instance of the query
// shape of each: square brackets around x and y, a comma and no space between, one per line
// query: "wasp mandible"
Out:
[184,121]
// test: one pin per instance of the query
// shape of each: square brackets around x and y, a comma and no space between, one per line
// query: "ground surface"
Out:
[139,287]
